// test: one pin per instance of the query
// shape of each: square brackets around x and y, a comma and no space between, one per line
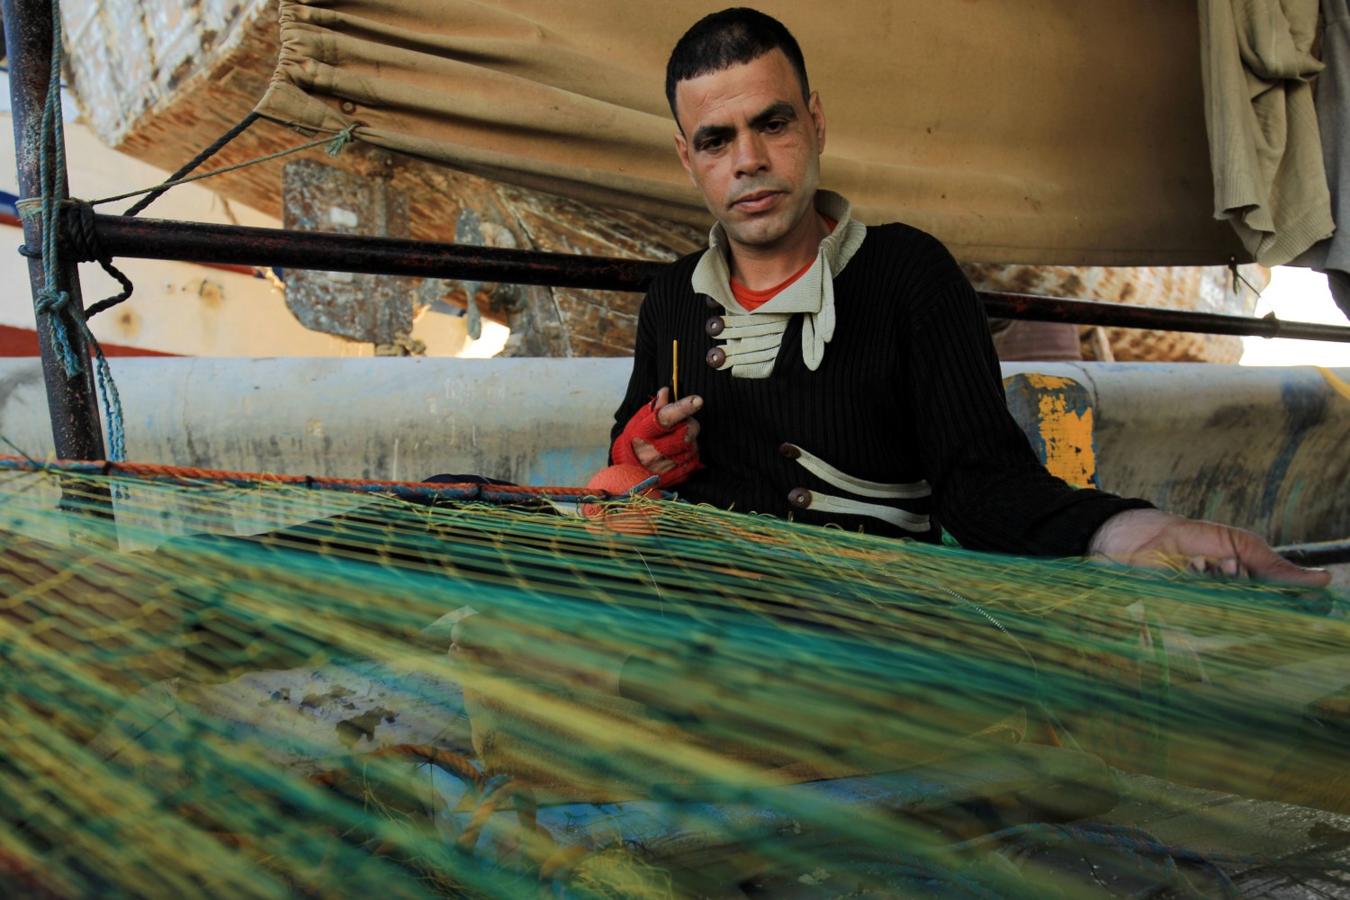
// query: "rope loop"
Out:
[340,140]
[81,235]
[77,227]
[51,304]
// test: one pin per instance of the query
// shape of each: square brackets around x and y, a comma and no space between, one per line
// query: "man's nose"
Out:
[751,154]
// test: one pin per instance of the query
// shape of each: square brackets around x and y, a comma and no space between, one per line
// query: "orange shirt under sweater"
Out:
[753,300]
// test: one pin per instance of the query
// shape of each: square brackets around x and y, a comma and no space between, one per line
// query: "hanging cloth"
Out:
[1332,255]
[1265,151]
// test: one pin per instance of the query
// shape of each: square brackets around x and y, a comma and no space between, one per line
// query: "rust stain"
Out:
[352,730]
[337,694]
[129,323]
[210,293]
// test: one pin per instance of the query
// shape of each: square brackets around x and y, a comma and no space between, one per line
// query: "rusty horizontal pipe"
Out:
[324,251]
[240,245]
[1123,315]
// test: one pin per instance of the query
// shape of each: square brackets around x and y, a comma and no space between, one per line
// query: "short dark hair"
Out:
[728,38]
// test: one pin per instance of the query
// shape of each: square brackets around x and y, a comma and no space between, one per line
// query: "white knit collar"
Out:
[812,294]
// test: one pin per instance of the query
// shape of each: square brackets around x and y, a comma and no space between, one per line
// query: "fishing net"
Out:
[229,686]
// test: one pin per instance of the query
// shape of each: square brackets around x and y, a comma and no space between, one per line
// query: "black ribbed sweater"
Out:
[909,389]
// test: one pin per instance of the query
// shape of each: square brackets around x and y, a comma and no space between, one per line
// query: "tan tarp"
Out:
[1041,131]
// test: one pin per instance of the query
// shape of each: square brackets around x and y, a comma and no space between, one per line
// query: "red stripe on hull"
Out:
[24,342]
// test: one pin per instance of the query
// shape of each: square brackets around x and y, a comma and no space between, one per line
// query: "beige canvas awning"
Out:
[1042,131]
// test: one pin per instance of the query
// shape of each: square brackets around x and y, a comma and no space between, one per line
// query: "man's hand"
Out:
[669,416]
[1152,538]
[663,438]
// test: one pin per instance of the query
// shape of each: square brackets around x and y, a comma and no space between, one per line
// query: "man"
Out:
[841,373]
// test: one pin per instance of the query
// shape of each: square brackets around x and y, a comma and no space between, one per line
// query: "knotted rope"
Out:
[80,235]
[51,302]
[193,163]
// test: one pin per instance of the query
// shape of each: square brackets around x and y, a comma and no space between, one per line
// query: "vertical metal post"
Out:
[71,401]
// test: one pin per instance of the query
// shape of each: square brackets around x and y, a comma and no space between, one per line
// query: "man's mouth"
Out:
[759,201]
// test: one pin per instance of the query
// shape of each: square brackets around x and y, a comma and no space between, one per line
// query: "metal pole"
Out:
[1323,553]
[240,245]
[1123,315]
[71,401]
[247,246]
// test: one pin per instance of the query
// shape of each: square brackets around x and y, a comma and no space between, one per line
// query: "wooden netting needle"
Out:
[674,371]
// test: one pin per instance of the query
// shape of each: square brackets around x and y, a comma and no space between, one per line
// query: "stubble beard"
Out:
[763,233]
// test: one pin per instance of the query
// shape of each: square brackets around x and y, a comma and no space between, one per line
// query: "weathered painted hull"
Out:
[1261,448]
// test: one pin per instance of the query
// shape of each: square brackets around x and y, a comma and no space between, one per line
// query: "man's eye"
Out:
[775,126]
[712,144]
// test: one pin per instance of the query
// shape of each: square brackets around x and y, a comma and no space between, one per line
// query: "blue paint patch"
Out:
[566,466]
[1304,409]
[1024,404]
[1291,506]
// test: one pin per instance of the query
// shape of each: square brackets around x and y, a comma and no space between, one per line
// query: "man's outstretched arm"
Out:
[992,493]
[989,489]
[1151,537]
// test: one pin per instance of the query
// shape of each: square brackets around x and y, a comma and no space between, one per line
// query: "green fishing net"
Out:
[241,688]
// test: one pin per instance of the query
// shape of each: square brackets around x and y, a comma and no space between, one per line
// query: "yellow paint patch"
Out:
[1048,382]
[1335,381]
[1067,436]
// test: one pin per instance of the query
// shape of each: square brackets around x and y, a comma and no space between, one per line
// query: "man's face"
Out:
[752,146]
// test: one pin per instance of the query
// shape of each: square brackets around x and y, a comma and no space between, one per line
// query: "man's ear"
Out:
[818,117]
[682,148]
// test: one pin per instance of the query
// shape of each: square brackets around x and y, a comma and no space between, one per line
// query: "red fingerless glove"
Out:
[669,442]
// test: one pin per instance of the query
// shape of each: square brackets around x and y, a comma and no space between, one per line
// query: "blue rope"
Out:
[51,302]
